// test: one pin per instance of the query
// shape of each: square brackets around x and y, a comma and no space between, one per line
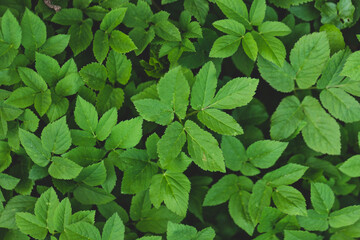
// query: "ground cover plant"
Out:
[179,119]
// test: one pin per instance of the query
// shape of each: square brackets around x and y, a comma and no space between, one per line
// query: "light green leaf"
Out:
[106,123]
[203,148]
[126,134]
[86,116]
[352,66]
[230,26]
[63,168]
[178,231]
[8,182]
[155,111]
[11,29]
[32,79]
[174,90]
[285,175]
[31,225]
[93,175]
[221,191]
[203,90]
[45,208]
[68,16]
[257,12]
[236,93]
[82,231]
[351,166]
[55,137]
[289,200]
[322,132]
[118,67]
[33,31]
[259,199]
[238,209]
[313,221]
[235,10]
[112,19]
[47,67]
[225,46]
[171,143]
[340,104]
[265,153]
[114,228]
[308,57]
[91,195]
[274,29]
[280,78]
[81,36]
[220,122]
[298,235]
[234,153]
[167,31]
[345,216]
[94,75]
[62,215]
[69,85]
[250,46]
[121,42]
[22,97]
[322,197]
[100,45]
[55,45]
[42,102]
[198,8]
[34,148]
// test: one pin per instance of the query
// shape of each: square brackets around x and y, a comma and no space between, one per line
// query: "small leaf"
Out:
[63,168]
[30,224]
[345,216]
[112,19]
[33,31]
[42,102]
[322,197]
[162,114]
[55,45]
[221,191]
[94,75]
[274,29]
[351,166]
[114,228]
[55,137]
[250,46]
[68,16]
[118,67]
[285,175]
[100,45]
[86,116]
[11,29]
[230,27]
[121,42]
[257,12]
[225,46]
[106,123]
[91,195]
[32,79]
[289,200]
[265,153]
[238,209]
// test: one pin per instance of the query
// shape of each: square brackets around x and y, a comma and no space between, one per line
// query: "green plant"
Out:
[142,120]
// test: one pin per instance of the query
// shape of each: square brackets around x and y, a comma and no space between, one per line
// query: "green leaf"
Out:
[352,66]
[322,197]
[221,191]
[93,175]
[265,153]
[173,188]
[68,16]
[308,57]
[114,228]
[106,123]
[162,114]
[175,231]
[274,29]
[100,45]
[121,42]
[55,137]
[22,97]
[225,46]
[63,168]
[167,31]
[203,90]
[45,208]
[351,166]
[62,215]
[289,200]
[42,102]
[238,209]
[345,216]
[234,153]
[314,221]
[270,48]
[94,75]
[31,225]
[81,36]
[112,19]
[126,134]
[91,195]
[33,31]
[203,148]
[69,85]
[220,122]
[34,148]
[86,116]
[250,46]
[236,93]
[198,8]
[259,199]
[118,67]
[32,79]
[81,231]
[280,78]
[81,3]
[340,104]
[235,10]
[109,97]
[322,132]
[7,54]
[296,235]
[8,182]
[174,90]
[171,143]
[47,67]
[55,45]
[141,38]
[257,12]
[285,175]
[230,26]
[11,29]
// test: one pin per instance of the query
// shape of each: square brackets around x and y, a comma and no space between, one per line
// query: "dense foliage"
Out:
[179,119]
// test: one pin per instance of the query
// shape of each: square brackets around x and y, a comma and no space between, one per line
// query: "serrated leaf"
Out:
[68,16]
[322,197]
[62,215]
[289,200]
[250,46]
[55,137]
[167,31]
[114,228]
[260,198]
[63,168]
[345,216]
[351,166]
[45,208]
[274,29]
[94,75]
[42,102]
[238,209]
[162,114]
[81,36]
[22,97]
[234,153]
[92,195]
[198,8]
[257,12]
[112,19]
[285,175]
[11,29]
[230,26]
[106,123]
[296,235]
[33,31]
[203,148]
[86,116]
[32,79]
[30,224]
[265,153]
[121,42]
[82,231]
[93,175]
[55,44]
[221,191]
[118,67]
[236,10]
[100,45]
[351,67]
[174,231]
[225,46]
